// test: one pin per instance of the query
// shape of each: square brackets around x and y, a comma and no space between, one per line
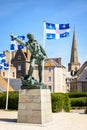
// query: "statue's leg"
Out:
[40,72]
[31,67]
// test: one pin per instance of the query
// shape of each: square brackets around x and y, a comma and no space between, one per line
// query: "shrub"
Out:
[12,100]
[66,103]
[77,94]
[60,102]
[57,102]
[78,102]
[2,100]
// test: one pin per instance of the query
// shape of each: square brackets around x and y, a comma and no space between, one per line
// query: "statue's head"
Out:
[30,36]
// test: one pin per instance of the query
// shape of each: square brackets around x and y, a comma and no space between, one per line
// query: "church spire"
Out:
[74,53]
[74,64]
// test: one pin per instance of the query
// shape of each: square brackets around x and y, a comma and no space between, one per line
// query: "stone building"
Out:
[21,62]
[79,83]
[55,75]
[78,79]
[54,72]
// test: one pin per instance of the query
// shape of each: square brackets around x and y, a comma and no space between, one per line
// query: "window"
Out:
[19,67]
[3,74]
[49,78]
[13,74]
[49,87]
[49,69]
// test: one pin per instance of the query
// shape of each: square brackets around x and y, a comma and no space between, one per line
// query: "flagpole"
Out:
[44,42]
[8,83]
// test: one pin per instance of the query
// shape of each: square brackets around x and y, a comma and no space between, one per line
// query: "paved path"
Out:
[61,121]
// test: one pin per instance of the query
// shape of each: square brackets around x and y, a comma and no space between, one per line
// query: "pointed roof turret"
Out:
[74,53]
[74,64]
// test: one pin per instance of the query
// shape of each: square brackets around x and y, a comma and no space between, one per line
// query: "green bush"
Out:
[2,100]
[12,100]
[66,103]
[77,94]
[79,102]
[57,102]
[60,102]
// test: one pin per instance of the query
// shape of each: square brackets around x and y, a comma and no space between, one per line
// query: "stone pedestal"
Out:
[34,106]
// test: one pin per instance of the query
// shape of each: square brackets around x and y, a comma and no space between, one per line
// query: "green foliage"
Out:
[77,94]
[12,100]
[66,103]
[79,102]
[57,102]
[2,100]
[78,99]
[60,102]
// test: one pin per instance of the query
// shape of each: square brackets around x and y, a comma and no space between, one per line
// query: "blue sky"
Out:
[22,17]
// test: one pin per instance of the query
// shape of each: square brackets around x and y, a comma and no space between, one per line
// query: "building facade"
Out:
[79,83]
[78,78]
[54,73]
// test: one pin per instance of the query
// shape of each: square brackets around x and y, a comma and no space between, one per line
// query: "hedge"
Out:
[12,100]
[78,99]
[79,102]
[77,94]
[60,102]
[2,100]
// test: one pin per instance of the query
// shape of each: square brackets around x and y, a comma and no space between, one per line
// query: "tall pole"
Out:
[44,41]
[8,83]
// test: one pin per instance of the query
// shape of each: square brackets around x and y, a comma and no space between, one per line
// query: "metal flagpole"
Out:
[8,83]
[44,41]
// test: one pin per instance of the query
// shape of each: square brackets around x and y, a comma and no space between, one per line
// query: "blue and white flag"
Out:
[56,31]
[2,58]
[15,45]
[4,66]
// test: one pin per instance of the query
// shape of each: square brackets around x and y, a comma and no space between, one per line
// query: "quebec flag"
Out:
[2,58]
[4,66]
[56,31]
[15,45]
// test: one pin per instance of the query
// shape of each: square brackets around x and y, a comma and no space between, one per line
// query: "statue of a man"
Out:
[37,54]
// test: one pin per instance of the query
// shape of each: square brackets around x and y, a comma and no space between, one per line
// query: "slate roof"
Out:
[83,76]
[15,83]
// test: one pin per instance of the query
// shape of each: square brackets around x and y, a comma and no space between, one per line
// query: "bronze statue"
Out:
[37,55]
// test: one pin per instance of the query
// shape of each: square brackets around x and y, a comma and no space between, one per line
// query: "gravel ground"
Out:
[75,120]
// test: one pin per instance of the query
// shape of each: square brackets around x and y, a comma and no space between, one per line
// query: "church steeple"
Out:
[74,64]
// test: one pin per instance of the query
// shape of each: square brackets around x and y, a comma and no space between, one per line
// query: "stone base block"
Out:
[34,106]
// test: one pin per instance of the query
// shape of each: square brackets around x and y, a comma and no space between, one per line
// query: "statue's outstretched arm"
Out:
[18,40]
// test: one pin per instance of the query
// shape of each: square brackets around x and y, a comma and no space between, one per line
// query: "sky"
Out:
[27,16]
